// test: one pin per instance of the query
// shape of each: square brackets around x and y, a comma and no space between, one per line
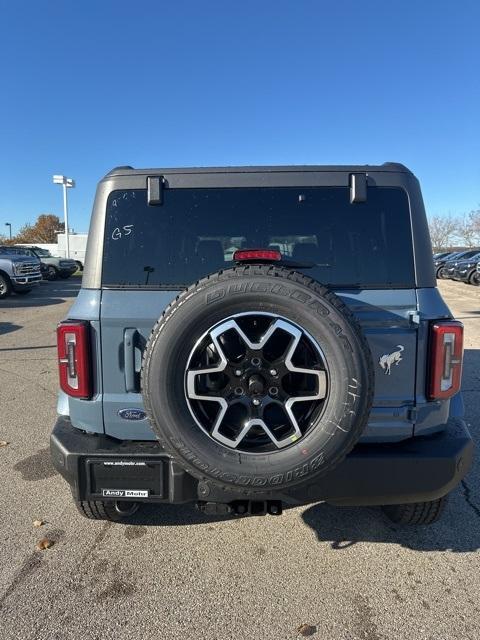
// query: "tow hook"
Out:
[241,508]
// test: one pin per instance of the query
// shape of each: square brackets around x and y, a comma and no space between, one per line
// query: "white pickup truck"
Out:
[18,273]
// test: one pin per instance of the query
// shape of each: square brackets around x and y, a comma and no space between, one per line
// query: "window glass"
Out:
[196,232]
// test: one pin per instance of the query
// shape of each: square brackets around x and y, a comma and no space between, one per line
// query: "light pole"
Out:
[9,225]
[67,183]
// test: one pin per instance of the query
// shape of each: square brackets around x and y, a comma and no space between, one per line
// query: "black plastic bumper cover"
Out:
[424,468]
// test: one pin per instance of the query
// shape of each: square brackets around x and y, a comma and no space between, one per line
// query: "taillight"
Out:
[242,255]
[74,358]
[446,355]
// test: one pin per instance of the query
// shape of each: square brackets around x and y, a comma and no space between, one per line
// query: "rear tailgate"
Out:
[363,251]
[127,318]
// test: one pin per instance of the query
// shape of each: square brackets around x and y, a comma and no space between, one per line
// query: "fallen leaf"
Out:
[3,443]
[306,630]
[38,523]
[44,543]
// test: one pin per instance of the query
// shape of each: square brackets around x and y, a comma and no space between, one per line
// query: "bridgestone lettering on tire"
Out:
[257,377]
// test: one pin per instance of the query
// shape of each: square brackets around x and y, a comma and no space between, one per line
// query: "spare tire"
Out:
[257,378]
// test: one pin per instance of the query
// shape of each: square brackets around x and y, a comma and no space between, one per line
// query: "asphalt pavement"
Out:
[348,573]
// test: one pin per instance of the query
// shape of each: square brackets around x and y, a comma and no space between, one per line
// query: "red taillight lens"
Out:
[242,255]
[74,358]
[446,355]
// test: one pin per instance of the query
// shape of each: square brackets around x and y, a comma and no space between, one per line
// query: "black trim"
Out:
[416,470]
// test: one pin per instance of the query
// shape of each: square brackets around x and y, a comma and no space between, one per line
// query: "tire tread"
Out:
[269,271]
[416,513]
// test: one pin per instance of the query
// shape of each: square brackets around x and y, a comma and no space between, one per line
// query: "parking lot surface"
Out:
[174,573]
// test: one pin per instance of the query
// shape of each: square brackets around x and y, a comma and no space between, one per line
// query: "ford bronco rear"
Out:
[248,339]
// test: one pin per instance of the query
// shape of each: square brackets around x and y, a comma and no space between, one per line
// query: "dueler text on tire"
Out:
[257,378]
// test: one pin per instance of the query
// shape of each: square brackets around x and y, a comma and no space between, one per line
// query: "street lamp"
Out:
[67,183]
[9,225]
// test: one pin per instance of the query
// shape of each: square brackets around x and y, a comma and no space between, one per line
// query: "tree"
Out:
[475,220]
[43,231]
[443,231]
[469,229]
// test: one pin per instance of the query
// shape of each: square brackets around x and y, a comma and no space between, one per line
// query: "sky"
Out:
[86,86]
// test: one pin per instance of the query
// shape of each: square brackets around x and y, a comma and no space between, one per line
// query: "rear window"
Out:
[196,231]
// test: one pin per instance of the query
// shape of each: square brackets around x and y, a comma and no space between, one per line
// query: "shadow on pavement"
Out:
[8,327]
[457,531]
[44,294]
[173,515]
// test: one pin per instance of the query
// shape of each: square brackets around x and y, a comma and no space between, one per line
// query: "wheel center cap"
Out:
[256,385]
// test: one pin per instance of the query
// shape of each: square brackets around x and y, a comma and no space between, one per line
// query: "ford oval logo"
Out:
[132,414]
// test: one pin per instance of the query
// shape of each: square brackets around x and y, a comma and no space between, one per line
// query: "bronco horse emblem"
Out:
[388,359]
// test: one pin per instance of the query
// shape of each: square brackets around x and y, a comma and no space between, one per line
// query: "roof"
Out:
[386,167]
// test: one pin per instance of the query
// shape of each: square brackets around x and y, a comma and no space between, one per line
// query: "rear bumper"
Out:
[423,468]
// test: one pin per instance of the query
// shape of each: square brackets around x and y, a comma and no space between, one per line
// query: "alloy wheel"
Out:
[256,382]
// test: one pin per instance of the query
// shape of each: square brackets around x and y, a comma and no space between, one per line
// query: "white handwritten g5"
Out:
[120,233]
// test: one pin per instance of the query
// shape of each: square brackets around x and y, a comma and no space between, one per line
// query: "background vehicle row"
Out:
[463,266]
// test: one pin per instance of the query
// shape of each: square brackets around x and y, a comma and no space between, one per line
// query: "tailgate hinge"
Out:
[414,317]
[155,186]
[412,414]
[358,187]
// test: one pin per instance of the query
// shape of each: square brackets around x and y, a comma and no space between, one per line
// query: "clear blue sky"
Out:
[89,85]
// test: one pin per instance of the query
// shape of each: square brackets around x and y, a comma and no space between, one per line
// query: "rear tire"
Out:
[5,286]
[100,510]
[441,274]
[52,273]
[416,512]
[228,459]
[474,278]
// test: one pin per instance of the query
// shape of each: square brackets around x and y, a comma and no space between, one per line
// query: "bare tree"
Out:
[469,229]
[475,220]
[443,231]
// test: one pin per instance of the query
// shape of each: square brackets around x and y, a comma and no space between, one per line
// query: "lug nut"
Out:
[238,372]
[256,362]
[256,402]
[273,391]
[238,391]
[273,372]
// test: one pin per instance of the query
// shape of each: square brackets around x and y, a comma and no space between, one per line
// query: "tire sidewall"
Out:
[7,285]
[349,381]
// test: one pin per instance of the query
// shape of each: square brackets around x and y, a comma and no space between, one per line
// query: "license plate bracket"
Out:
[125,478]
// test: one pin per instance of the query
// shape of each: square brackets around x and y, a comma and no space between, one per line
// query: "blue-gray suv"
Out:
[254,338]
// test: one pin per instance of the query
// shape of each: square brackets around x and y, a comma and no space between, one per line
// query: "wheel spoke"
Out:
[254,346]
[257,383]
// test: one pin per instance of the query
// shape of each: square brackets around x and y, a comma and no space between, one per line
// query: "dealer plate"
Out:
[124,493]
[125,478]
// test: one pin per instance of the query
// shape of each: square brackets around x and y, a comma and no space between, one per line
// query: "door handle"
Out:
[129,339]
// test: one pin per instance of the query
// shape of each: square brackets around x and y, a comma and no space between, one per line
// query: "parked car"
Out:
[54,267]
[272,379]
[23,251]
[440,259]
[466,270]
[18,273]
[439,256]
[448,270]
